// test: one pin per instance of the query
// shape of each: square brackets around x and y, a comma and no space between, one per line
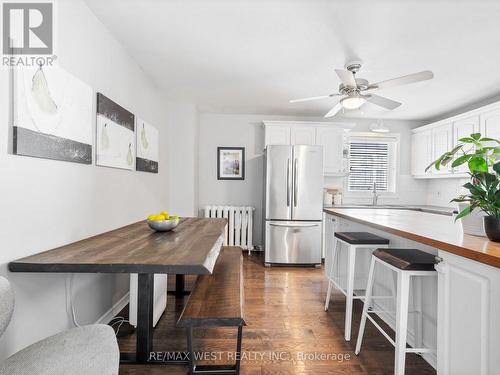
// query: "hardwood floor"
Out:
[285,319]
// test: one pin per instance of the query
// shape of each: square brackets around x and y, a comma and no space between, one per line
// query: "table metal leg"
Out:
[144,332]
[144,345]
[179,285]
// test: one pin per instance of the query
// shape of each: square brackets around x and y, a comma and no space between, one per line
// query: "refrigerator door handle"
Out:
[295,183]
[288,187]
[294,225]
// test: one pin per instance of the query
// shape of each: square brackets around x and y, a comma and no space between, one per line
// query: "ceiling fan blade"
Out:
[404,80]
[334,110]
[312,98]
[383,102]
[346,77]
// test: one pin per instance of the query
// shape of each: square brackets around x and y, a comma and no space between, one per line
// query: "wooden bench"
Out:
[217,301]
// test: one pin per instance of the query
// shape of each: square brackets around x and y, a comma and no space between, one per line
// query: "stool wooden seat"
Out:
[353,241]
[407,259]
[361,238]
[407,264]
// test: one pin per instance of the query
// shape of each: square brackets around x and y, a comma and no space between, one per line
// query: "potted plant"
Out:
[480,154]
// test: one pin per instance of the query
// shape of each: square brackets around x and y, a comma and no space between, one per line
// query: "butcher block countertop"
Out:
[438,231]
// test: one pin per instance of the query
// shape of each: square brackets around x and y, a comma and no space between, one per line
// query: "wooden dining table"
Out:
[191,248]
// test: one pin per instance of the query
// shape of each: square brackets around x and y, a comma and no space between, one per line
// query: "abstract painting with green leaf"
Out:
[481,155]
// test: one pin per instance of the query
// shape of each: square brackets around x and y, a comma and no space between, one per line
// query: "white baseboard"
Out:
[115,309]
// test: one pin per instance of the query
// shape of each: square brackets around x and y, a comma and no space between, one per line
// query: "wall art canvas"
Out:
[147,147]
[52,115]
[230,163]
[115,135]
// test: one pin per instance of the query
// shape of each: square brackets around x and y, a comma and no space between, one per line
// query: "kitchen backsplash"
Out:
[441,191]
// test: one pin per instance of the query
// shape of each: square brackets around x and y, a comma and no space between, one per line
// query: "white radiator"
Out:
[240,224]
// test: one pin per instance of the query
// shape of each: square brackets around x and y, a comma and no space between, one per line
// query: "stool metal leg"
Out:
[331,274]
[368,296]
[417,307]
[401,322]
[351,265]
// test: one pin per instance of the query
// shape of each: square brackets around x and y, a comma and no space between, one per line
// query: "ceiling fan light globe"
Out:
[353,102]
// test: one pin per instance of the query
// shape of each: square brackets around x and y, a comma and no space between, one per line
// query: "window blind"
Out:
[368,164]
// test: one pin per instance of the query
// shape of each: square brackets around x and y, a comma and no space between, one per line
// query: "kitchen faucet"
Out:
[375,194]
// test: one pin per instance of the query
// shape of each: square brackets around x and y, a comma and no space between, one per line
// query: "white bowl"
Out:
[163,225]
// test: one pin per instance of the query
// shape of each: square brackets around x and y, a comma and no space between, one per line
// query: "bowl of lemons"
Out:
[163,222]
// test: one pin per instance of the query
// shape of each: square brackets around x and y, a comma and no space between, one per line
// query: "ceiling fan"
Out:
[357,91]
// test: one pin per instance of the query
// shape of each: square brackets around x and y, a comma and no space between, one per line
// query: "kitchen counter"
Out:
[422,208]
[439,231]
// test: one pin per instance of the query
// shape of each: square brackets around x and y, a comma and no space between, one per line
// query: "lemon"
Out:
[160,217]
[164,213]
[151,217]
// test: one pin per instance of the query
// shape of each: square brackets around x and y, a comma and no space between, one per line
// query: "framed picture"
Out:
[147,141]
[52,117]
[115,135]
[230,163]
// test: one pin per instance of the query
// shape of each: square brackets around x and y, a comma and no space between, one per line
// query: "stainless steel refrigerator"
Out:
[293,204]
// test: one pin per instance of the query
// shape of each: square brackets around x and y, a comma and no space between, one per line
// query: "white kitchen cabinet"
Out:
[442,141]
[277,135]
[464,128]
[490,124]
[332,141]
[445,135]
[468,309]
[330,135]
[302,135]
[421,151]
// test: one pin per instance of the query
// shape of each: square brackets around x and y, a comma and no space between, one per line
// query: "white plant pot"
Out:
[473,223]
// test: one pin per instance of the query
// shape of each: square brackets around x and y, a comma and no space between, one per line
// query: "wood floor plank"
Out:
[285,319]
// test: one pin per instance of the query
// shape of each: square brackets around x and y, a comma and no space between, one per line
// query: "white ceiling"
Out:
[252,56]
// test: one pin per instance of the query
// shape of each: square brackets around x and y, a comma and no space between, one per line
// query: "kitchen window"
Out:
[372,160]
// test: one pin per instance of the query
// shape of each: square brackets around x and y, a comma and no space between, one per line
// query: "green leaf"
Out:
[478,164]
[466,211]
[475,136]
[488,139]
[496,167]
[460,160]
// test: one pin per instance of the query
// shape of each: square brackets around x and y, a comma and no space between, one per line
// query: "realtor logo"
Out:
[27,29]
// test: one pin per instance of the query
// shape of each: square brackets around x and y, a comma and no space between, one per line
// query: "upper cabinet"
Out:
[278,135]
[332,141]
[329,135]
[464,128]
[421,153]
[432,140]
[490,123]
[303,135]
[442,137]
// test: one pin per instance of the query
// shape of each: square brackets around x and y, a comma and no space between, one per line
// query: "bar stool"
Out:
[353,241]
[406,263]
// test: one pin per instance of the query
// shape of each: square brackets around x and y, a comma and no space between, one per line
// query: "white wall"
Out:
[247,131]
[47,203]
[183,160]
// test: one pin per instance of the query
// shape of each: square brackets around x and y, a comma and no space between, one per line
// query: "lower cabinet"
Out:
[468,317]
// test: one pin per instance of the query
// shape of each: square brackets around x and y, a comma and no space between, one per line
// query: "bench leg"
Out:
[189,331]
[238,349]
[214,369]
